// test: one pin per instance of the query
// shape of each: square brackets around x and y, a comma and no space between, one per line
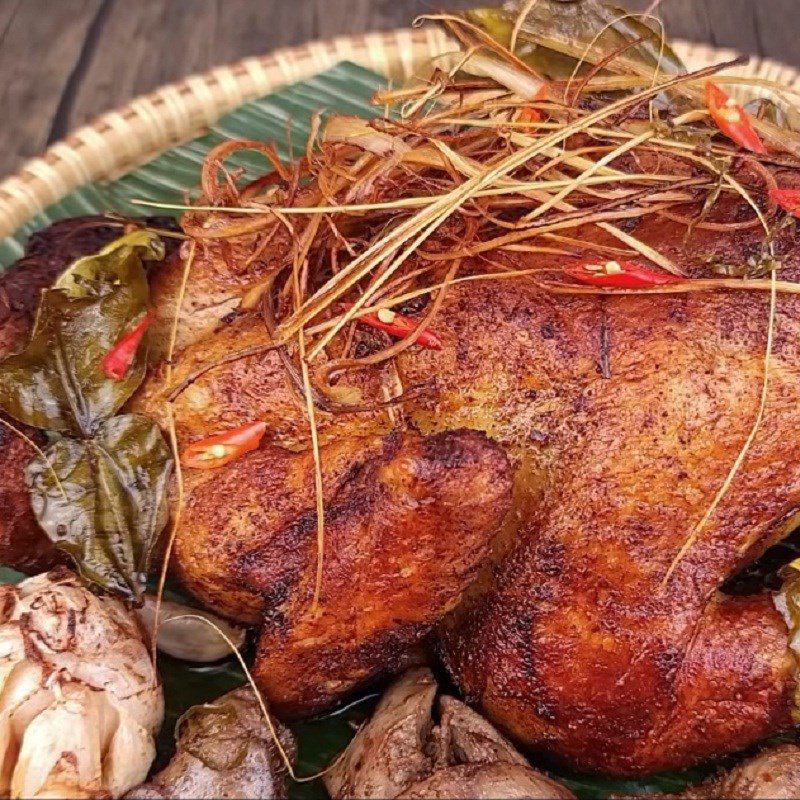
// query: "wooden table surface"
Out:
[64,61]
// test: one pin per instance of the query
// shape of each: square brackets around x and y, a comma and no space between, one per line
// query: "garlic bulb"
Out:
[80,700]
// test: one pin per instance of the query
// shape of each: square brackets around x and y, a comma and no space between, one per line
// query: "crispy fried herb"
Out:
[103,500]
[759,265]
[100,492]
[722,166]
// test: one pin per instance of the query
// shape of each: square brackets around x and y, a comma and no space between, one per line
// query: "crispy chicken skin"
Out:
[23,544]
[596,642]
[408,521]
[221,275]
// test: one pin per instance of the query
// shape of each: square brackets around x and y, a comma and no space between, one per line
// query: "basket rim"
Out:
[123,138]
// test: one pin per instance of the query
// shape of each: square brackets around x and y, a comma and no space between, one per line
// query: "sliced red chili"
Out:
[528,114]
[732,119]
[401,326]
[221,448]
[118,359]
[787,199]
[620,274]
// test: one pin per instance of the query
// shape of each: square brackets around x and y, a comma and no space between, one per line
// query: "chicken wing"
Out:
[409,520]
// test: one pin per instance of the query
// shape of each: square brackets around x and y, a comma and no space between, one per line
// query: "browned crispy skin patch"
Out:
[409,519]
[253,387]
[23,545]
[580,648]
[221,273]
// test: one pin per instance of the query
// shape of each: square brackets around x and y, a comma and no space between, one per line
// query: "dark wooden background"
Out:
[64,61]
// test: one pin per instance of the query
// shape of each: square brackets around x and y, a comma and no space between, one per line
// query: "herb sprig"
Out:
[99,490]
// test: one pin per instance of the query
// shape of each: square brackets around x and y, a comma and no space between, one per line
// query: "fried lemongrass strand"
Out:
[237,355]
[520,21]
[587,175]
[342,365]
[762,405]
[455,24]
[515,187]
[318,487]
[173,333]
[571,221]
[421,225]
[421,292]
[36,449]
[173,443]
[689,286]
[173,531]
[594,246]
[287,762]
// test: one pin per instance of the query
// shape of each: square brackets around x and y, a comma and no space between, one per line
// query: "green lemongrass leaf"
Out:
[556,35]
[57,381]
[104,500]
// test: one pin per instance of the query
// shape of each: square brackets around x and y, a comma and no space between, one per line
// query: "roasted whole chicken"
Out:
[552,491]
[580,641]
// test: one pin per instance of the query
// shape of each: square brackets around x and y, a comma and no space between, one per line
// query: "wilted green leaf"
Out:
[556,34]
[104,500]
[57,382]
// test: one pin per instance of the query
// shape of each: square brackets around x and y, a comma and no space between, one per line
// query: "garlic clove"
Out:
[60,751]
[129,753]
[181,635]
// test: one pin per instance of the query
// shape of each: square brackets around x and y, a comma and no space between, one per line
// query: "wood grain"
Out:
[63,62]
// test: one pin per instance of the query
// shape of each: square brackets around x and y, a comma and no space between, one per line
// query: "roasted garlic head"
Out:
[80,700]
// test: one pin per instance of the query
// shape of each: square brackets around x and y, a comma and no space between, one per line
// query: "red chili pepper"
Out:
[732,119]
[620,274]
[400,326]
[119,358]
[788,199]
[528,114]
[221,448]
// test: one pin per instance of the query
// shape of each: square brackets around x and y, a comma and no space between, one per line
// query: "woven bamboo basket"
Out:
[127,137]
